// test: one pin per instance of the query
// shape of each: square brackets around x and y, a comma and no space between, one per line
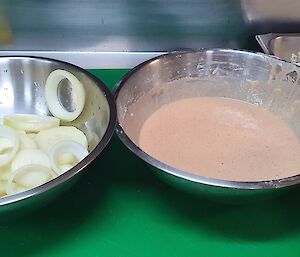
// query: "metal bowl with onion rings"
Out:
[22,90]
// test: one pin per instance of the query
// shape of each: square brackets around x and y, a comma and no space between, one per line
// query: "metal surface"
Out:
[122,34]
[90,32]
[272,15]
[254,78]
[271,10]
[91,59]
[121,26]
[22,83]
[284,46]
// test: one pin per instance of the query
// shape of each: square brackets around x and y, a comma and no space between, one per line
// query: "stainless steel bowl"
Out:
[22,81]
[259,79]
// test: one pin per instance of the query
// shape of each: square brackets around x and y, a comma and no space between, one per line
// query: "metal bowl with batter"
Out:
[255,78]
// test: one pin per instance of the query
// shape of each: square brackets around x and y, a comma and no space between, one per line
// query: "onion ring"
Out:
[51,95]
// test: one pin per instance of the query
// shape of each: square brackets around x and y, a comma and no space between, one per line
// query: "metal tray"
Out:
[284,46]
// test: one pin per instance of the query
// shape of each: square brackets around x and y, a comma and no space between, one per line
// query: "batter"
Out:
[221,138]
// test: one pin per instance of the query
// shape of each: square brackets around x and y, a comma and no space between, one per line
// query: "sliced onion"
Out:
[66,158]
[13,188]
[65,167]
[5,172]
[31,135]
[76,149]
[51,95]
[30,157]
[30,122]
[9,150]
[28,176]
[47,138]
[26,142]
[5,144]
[3,185]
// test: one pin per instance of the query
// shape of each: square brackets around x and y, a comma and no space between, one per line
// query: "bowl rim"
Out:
[90,157]
[261,185]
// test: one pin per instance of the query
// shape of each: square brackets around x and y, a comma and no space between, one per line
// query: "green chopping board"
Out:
[120,208]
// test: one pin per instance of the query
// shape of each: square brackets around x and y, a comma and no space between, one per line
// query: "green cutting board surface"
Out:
[119,207]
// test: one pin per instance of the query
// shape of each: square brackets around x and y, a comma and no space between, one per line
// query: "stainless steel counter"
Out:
[136,30]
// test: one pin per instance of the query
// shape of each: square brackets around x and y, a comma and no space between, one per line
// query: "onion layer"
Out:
[51,95]
[9,144]
[46,139]
[28,176]
[30,122]
[26,142]
[30,157]
[76,149]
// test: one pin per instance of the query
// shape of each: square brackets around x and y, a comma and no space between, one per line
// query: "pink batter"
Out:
[221,138]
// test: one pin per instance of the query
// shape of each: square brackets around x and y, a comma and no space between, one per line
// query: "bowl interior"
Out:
[254,78]
[22,81]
